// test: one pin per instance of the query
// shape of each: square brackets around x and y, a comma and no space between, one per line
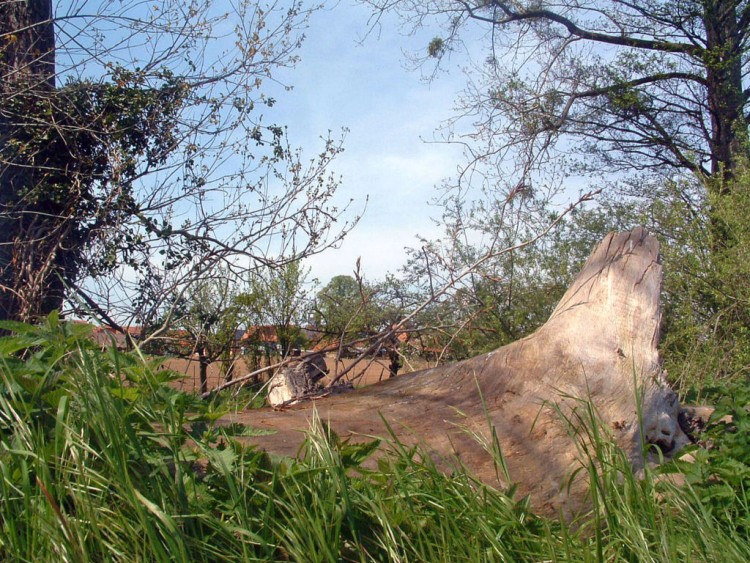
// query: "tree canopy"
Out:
[344,308]
[658,86]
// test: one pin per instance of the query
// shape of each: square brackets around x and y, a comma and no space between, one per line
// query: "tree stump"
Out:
[297,381]
[600,344]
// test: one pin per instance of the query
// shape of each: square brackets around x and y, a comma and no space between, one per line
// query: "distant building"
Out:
[106,336]
[261,338]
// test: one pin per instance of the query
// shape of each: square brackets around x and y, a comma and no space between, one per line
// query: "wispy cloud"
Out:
[389,113]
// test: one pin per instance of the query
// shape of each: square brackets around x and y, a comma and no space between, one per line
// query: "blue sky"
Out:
[364,85]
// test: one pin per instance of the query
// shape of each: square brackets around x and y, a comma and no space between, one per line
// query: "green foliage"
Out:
[347,309]
[706,295]
[647,515]
[204,321]
[720,472]
[87,144]
[277,298]
[627,102]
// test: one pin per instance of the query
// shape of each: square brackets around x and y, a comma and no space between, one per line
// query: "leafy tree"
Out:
[658,86]
[133,156]
[355,312]
[279,298]
[345,309]
[204,322]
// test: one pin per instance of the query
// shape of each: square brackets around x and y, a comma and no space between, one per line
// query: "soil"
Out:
[367,373]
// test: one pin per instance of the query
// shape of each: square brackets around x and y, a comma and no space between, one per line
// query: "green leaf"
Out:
[223,459]
[353,455]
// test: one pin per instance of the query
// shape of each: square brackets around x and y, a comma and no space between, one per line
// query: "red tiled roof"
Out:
[263,333]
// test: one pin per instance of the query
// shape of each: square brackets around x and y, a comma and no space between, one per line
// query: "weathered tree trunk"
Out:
[600,344]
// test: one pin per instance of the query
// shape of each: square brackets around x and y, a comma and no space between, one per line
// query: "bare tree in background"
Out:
[134,158]
[409,306]
[656,86]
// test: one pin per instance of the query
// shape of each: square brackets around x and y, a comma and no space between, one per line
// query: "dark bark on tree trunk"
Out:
[203,362]
[725,92]
[28,46]
[31,258]
[395,362]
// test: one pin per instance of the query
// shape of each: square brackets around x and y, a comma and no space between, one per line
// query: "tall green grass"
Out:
[101,460]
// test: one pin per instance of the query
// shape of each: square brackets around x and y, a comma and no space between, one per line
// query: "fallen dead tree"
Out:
[600,344]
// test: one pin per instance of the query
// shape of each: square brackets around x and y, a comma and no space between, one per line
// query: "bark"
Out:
[395,362]
[29,237]
[27,45]
[600,344]
[726,99]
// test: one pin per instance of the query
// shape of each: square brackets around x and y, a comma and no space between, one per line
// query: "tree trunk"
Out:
[394,361]
[204,360]
[726,98]
[29,236]
[599,344]
[27,44]
[203,363]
